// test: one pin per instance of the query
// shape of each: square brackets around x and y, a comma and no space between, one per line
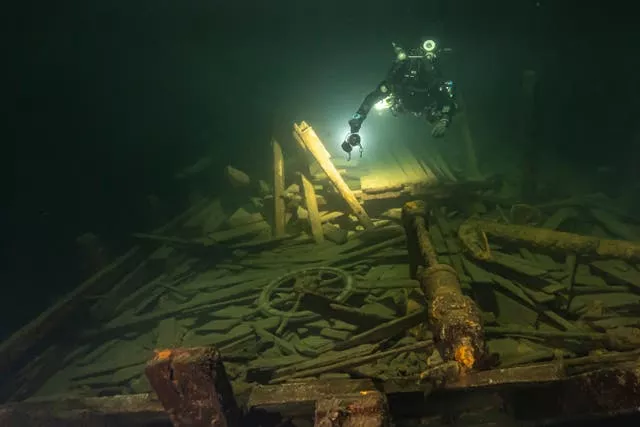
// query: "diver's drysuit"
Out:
[413,84]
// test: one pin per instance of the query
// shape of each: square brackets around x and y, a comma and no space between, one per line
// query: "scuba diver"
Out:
[413,84]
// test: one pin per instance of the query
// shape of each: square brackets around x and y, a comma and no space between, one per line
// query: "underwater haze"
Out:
[106,101]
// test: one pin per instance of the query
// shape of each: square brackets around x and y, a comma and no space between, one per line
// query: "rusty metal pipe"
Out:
[454,318]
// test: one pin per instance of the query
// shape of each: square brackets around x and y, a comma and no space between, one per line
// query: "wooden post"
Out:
[319,152]
[279,218]
[312,208]
[193,387]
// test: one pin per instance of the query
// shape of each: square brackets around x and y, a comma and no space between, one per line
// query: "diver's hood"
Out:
[427,49]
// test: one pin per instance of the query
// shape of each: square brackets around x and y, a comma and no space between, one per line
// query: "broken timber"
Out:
[366,409]
[303,132]
[541,393]
[14,348]
[453,317]
[47,325]
[279,217]
[312,208]
[473,234]
[120,410]
[193,387]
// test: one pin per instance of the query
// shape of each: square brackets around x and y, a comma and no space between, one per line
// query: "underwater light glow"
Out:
[335,146]
[384,104]
[429,45]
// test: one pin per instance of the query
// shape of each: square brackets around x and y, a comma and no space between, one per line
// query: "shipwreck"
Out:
[340,296]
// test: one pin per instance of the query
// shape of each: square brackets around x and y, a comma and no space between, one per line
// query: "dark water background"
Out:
[105,101]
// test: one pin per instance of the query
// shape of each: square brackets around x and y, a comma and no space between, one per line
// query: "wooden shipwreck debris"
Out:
[237,178]
[193,387]
[12,349]
[453,318]
[300,397]
[279,218]
[335,234]
[312,143]
[325,359]
[207,220]
[337,330]
[354,362]
[121,410]
[473,234]
[366,409]
[315,222]
[384,331]
[326,307]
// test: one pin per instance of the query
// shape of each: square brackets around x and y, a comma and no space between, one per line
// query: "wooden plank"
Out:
[312,208]
[233,234]
[44,325]
[279,218]
[384,331]
[121,410]
[300,397]
[193,387]
[426,346]
[368,409]
[319,152]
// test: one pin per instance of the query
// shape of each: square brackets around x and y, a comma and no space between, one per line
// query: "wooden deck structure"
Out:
[333,328]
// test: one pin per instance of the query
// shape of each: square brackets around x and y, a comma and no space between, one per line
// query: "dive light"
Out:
[350,141]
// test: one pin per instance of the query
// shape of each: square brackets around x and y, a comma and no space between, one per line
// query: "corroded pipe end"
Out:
[453,317]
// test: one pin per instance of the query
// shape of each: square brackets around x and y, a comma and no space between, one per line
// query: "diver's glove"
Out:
[440,128]
[356,122]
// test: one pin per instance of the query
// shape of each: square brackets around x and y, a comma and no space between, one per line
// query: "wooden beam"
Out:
[315,146]
[467,138]
[312,208]
[53,319]
[12,350]
[120,410]
[193,387]
[302,396]
[367,409]
[279,218]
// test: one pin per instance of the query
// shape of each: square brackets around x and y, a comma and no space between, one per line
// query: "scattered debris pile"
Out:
[311,279]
